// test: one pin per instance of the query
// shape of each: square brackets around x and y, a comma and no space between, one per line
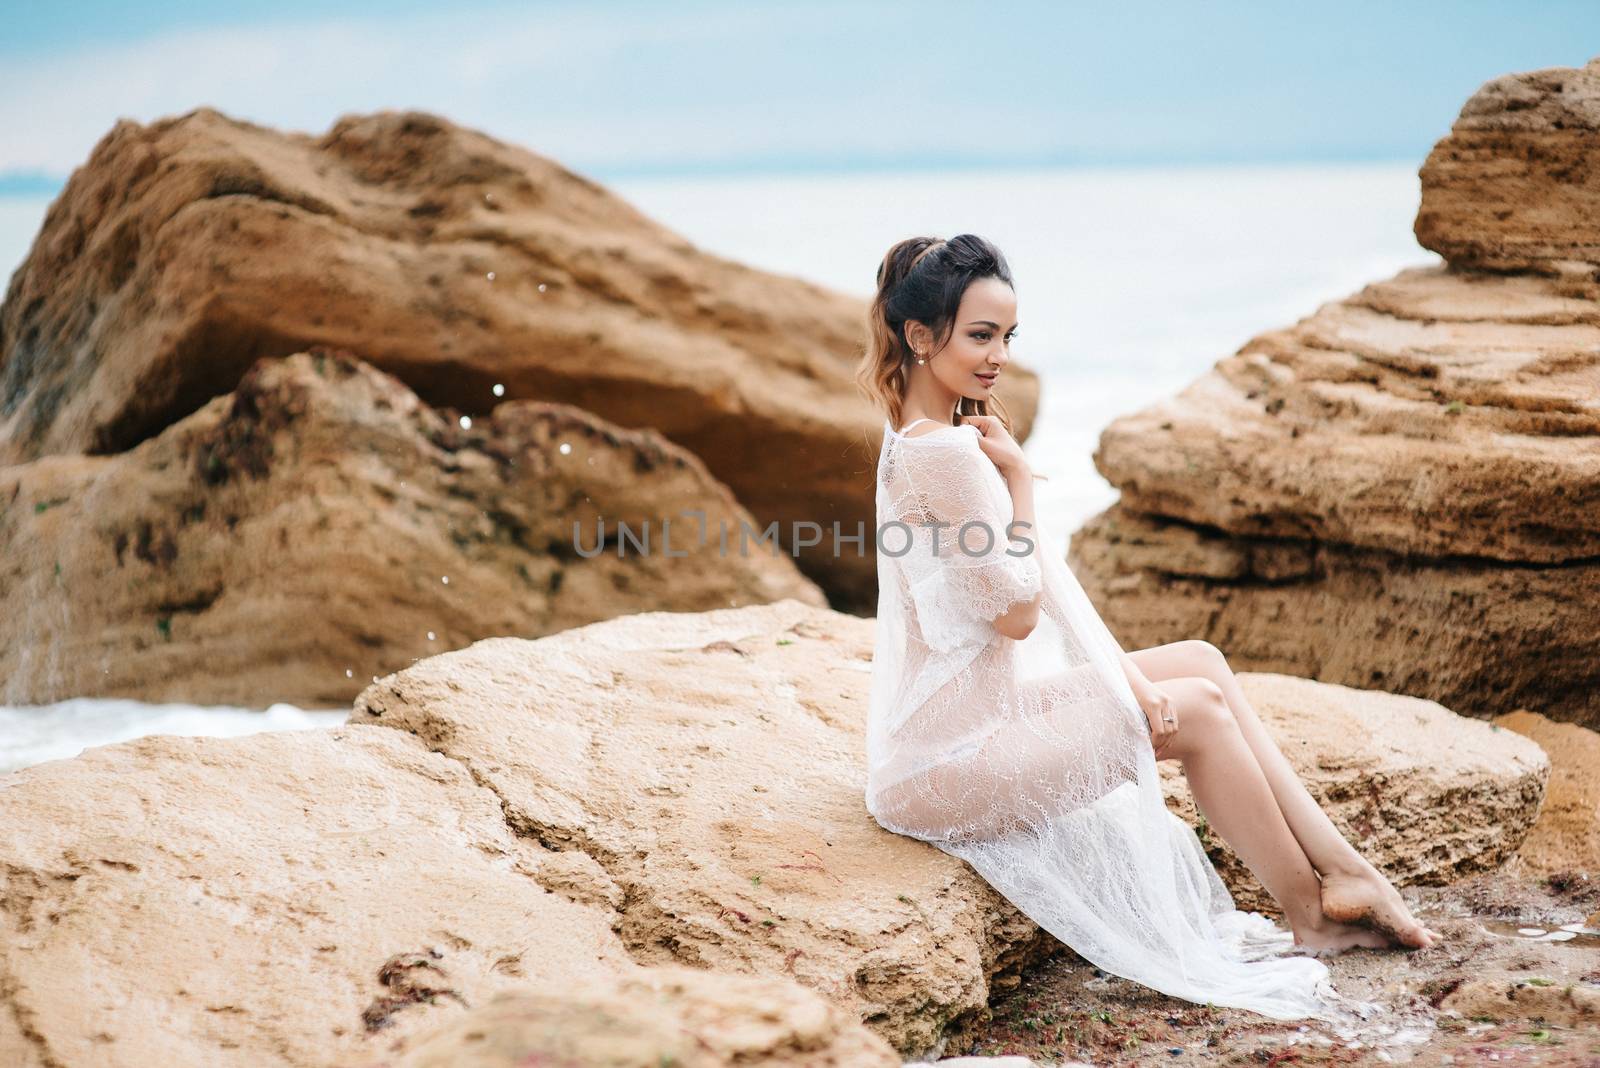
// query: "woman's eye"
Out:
[981,335]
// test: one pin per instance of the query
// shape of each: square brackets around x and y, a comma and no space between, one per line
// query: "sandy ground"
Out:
[1495,990]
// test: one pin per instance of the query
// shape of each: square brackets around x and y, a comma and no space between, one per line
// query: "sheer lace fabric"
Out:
[1031,760]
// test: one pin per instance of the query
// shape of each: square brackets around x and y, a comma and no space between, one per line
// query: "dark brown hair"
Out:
[922,279]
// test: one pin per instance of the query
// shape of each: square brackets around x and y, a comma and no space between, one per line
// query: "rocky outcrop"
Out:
[1426,795]
[1513,188]
[710,766]
[321,525]
[1400,491]
[686,1017]
[1566,838]
[659,789]
[279,898]
[656,790]
[184,250]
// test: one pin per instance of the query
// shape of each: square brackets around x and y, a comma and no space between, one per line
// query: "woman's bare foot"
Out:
[1328,937]
[1368,900]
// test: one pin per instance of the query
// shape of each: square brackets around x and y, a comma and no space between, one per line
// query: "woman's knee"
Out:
[1206,658]
[1203,717]
[1205,707]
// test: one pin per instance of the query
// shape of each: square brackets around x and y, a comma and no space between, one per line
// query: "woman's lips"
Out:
[988,379]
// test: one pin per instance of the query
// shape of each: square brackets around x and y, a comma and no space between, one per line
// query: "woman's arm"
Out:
[1019,621]
[1137,680]
[1155,702]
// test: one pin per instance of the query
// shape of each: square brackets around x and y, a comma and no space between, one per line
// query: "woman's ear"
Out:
[917,335]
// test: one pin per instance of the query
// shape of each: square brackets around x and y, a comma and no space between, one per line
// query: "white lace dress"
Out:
[1031,760]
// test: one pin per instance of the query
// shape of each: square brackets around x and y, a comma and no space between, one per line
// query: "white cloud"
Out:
[589,85]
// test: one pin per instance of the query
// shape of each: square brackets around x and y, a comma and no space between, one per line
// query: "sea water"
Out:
[1131,282]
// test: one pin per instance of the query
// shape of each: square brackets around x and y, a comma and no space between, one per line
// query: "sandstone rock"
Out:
[281,898]
[655,790]
[321,525]
[713,766]
[655,1016]
[1512,187]
[1397,492]
[184,250]
[1426,795]
[660,789]
[1566,837]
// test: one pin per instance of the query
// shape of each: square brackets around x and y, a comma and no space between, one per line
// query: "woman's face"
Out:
[980,344]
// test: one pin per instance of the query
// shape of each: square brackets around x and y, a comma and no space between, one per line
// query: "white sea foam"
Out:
[33,734]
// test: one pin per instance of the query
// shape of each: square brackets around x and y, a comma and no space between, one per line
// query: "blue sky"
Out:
[626,89]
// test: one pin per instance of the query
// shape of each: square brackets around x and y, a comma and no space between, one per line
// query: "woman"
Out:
[1008,728]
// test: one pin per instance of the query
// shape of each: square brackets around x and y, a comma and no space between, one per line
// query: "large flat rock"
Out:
[1433,414]
[279,898]
[712,765]
[1400,491]
[652,791]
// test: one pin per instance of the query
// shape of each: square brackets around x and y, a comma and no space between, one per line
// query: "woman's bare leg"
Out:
[1353,889]
[1233,793]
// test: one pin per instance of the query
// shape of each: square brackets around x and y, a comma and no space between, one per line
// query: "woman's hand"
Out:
[998,444]
[1161,712]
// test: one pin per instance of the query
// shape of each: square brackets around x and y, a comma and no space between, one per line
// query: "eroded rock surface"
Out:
[270,899]
[1400,491]
[712,764]
[655,790]
[661,789]
[1513,186]
[321,525]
